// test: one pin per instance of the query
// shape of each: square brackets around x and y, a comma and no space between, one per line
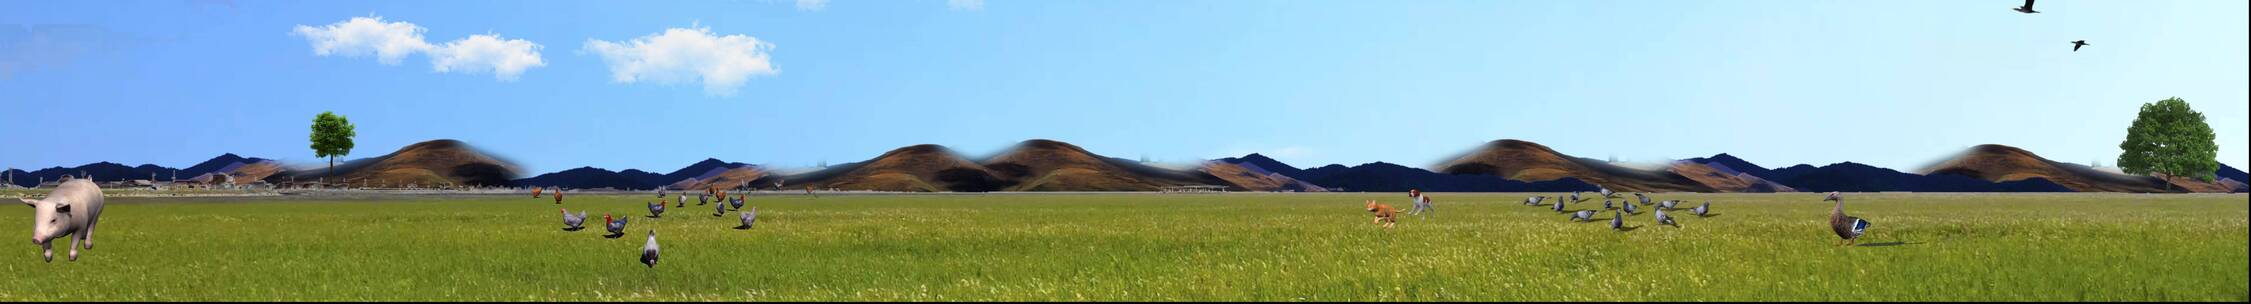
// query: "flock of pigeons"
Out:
[1618,211]
[649,250]
[2027,8]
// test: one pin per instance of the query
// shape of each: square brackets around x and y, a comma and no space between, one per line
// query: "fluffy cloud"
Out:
[505,58]
[811,5]
[360,36]
[966,4]
[678,55]
[392,41]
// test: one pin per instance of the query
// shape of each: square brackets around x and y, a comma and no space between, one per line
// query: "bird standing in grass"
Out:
[702,199]
[737,204]
[1582,216]
[1666,219]
[656,210]
[660,192]
[718,210]
[558,195]
[1575,196]
[1606,193]
[1848,228]
[1631,209]
[573,223]
[1667,204]
[535,192]
[1558,206]
[1617,221]
[1534,201]
[1644,198]
[1703,210]
[649,250]
[750,217]
[615,225]
[1607,206]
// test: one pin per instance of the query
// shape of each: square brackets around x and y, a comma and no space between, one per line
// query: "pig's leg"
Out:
[74,249]
[47,250]
[89,232]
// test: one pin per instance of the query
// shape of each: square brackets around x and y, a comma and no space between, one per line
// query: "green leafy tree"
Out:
[332,137]
[2171,139]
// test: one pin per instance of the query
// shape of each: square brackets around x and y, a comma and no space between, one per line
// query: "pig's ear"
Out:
[28,201]
[62,207]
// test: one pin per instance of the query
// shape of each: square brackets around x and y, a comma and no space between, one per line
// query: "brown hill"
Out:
[929,168]
[1724,182]
[1532,162]
[443,162]
[729,179]
[1999,163]
[1047,165]
[1247,179]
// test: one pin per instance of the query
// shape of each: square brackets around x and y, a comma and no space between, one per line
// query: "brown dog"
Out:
[1385,215]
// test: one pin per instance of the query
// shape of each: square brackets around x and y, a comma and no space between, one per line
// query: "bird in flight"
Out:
[2027,8]
[2076,44]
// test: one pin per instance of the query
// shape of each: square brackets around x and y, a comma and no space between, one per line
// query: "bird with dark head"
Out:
[1630,208]
[1558,207]
[1607,206]
[1644,198]
[1666,219]
[656,210]
[1848,228]
[2075,45]
[1703,210]
[1617,221]
[2027,8]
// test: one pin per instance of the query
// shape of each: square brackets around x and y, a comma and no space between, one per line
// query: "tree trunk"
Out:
[331,169]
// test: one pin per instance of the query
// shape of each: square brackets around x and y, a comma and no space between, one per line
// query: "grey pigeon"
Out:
[649,250]
[1534,201]
[1668,204]
[1606,205]
[703,199]
[1644,198]
[1703,210]
[656,210]
[750,217]
[1582,216]
[1631,209]
[1666,219]
[1606,193]
[1617,221]
[718,209]
[1574,196]
[1559,207]
[573,223]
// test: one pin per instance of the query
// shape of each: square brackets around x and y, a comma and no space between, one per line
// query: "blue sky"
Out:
[1894,84]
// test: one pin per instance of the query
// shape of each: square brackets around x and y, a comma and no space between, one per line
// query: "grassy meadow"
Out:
[1256,247]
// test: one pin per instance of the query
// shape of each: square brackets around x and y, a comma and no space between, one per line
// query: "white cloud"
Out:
[812,5]
[966,4]
[392,41]
[360,36]
[505,58]
[677,55]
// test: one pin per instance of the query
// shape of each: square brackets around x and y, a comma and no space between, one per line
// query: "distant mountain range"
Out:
[1047,165]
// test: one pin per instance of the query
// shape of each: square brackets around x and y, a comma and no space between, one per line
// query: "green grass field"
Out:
[1278,247]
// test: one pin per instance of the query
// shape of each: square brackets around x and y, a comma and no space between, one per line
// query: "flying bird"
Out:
[1848,228]
[1666,219]
[656,210]
[2027,8]
[649,250]
[749,218]
[2076,44]
[1703,210]
[573,223]
[1582,216]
